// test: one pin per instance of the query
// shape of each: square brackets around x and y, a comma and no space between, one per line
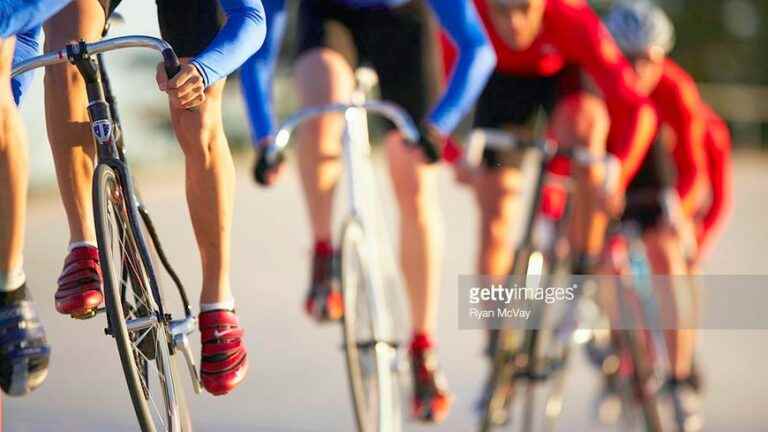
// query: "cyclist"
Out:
[24,351]
[397,38]
[664,207]
[551,54]
[209,50]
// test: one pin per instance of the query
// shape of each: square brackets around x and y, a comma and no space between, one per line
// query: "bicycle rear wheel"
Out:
[373,382]
[134,317]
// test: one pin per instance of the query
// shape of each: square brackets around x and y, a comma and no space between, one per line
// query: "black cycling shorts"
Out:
[188,25]
[644,193]
[399,43]
[512,100]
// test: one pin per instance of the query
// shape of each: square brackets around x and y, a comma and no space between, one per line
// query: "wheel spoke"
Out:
[130,281]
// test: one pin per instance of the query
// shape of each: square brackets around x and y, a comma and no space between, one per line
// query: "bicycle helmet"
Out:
[640,25]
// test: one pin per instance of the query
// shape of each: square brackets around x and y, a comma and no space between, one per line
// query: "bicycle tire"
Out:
[361,344]
[497,404]
[116,219]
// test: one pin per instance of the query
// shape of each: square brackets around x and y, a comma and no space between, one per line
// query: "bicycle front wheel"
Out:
[373,381]
[134,318]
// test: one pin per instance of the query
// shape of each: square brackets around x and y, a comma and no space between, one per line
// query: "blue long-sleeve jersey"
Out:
[23,18]
[241,36]
[27,46]
[458,17]
[22,15]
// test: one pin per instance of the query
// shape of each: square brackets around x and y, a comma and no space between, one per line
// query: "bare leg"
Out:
[14,171]
[210,186]
[322,76]
[420,222]
[664,255]
[67,116]
[582,121]
[496,192]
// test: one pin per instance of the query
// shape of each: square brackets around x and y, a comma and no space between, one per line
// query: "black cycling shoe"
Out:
[431,398]
[24,351]
[324,302]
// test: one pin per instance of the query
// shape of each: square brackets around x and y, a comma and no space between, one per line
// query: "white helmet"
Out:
[640,25]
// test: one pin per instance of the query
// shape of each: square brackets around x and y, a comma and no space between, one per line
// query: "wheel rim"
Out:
[146,335]
[360,346]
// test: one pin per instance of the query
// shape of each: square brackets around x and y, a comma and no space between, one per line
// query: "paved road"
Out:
[296,382]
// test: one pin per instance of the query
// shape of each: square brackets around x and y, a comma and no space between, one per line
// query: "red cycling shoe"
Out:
[224,358]
[431,399]
[324,302]
[79,292]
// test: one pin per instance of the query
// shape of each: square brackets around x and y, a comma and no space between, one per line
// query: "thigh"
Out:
[81,19]
[189,25]
[326,52]
[497,192]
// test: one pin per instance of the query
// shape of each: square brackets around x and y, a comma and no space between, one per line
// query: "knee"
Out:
[198,131]
[582,120]
[495,226]
[322,76]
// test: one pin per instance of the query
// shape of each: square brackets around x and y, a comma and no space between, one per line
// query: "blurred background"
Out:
[720,42]
[297,381]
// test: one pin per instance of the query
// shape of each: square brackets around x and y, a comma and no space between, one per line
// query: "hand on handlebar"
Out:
[186,90]
[265,171]
[431,144]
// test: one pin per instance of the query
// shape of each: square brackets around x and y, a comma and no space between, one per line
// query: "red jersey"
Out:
[678,105]
[572,34]
[702,148]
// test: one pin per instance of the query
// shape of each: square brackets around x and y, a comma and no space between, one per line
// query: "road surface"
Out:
[297,382]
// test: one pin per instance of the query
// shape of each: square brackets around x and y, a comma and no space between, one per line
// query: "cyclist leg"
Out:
[665,257]
[24,352]
[14,171]
[581,121]
[511,103]
[323,74]
[401,44]
[73,153]
[210,190]
[497,192]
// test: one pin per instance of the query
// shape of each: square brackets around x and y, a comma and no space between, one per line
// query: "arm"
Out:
[474,65]
[258,71]
[718,153]
[240,37]
[633,121]
[689,151]
[20,15]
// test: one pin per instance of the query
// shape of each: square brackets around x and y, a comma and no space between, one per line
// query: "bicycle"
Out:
[146,335]
[638,341]
[537,354]
[370,338]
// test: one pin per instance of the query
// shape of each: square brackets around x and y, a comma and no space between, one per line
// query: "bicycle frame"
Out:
[108,135]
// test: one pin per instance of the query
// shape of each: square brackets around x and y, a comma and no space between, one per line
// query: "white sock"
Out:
[223,305]
[74,245]
[13,280]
